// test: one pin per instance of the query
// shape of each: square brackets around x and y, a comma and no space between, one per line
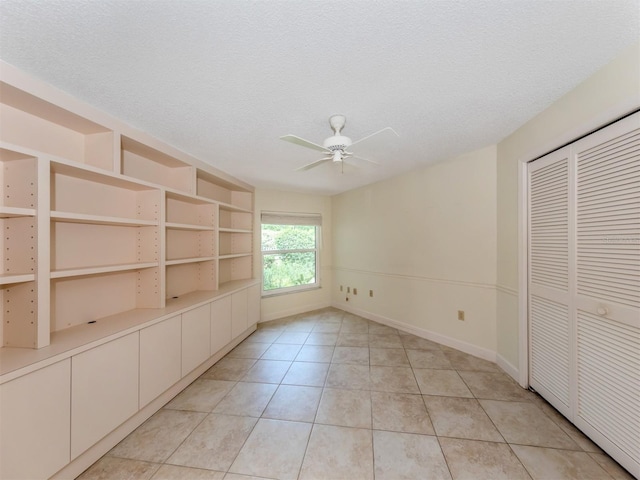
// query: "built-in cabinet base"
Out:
[61,414]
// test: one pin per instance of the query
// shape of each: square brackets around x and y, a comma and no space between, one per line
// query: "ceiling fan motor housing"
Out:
[337,142]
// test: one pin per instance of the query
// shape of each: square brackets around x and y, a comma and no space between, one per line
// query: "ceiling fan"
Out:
[336,147]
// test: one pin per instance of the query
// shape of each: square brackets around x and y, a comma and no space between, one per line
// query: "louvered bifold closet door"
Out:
[608,288]
[549,320]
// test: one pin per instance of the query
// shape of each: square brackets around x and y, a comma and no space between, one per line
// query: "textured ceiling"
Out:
[223,79]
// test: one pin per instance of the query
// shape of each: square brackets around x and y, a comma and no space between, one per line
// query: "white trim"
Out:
[509,368]
[463,346]
[489,286]
[293,311]
[523,279]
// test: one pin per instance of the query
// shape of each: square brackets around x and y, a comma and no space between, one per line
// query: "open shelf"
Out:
[182,261]
[39,125]
[97,270]
[89,294]
[186,277]
[184,226]
[141,161]
[71,217]
[19,245]
[19,311]
[233,208]
[18,183]
[16,212]
[89,192]
[189,210]
[235,220]
[233,255]
[13,278]
[234,230]
[235,243]
[187,243]
[227,193]
[234,267]
[80,246]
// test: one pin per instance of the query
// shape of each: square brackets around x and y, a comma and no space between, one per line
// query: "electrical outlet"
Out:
[371,293]
[355,291]
[461,315]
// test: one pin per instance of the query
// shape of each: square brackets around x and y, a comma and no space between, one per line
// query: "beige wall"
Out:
[293,303]
[425,243]
[605,96]
[445,238]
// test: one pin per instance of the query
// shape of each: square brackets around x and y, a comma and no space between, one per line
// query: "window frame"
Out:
[296,288]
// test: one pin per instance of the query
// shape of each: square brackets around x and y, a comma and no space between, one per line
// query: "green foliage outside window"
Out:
[288,269]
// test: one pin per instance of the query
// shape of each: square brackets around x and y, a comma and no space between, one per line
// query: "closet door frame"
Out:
[597,121]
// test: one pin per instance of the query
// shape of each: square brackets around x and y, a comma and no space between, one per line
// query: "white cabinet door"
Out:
[255,293]
[104,390]
[239,313]
[549,266]
[607,289]
[160,358]
[196,335]
[220,323]
[35,413]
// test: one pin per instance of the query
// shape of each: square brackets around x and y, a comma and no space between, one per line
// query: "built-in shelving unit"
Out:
[126,272]
[99,219]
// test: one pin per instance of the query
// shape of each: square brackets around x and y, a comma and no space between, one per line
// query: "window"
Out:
[290,260]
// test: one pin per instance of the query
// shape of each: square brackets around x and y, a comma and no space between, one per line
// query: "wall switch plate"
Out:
[460,314]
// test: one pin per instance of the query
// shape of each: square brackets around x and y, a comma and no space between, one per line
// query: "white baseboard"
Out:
[293,311]
[461,345]
[508,367]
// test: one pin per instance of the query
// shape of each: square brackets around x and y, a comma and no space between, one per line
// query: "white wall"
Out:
[293,303]
[609,93]
[425,243]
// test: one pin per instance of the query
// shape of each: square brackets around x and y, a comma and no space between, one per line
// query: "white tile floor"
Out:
[332,396]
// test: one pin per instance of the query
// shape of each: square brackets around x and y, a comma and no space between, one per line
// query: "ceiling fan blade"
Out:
[312,164]
[374,134]
[365,159]
[304,143]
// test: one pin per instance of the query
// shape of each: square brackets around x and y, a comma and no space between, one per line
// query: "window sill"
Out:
[280,292]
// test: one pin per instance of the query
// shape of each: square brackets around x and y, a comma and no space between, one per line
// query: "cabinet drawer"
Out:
[104,390]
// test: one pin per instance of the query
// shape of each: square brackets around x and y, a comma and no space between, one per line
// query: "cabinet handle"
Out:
[602,311]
